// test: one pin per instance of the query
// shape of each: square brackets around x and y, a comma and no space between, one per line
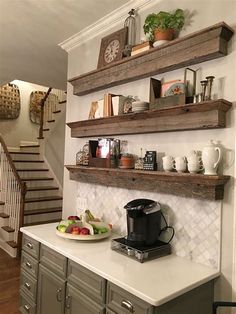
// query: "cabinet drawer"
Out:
[26,305]
[28,285]
[29,264]
[53,261]
[87,282]
[30,246]
[120,301]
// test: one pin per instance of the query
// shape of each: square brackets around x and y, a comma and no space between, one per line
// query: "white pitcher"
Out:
[211,157]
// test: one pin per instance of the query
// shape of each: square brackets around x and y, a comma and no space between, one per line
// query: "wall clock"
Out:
[112,47]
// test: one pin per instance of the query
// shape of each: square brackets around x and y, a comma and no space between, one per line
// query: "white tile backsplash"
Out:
[197,223]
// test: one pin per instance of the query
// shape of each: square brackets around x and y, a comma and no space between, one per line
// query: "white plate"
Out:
[87,237]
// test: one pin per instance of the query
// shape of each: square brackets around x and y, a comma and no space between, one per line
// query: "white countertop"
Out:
[155,282]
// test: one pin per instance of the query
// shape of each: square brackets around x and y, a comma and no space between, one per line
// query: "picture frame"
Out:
[112,46]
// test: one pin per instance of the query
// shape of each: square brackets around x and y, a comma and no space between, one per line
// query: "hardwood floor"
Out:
[9,283]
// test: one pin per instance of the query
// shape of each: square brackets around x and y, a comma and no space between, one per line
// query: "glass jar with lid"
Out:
[86,154]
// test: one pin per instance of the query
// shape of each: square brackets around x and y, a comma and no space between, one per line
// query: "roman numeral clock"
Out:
[112,47]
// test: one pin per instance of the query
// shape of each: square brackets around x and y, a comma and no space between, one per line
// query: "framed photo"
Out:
[112,47]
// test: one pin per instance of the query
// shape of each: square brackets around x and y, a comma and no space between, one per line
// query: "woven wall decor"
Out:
[9,101]
[35,109]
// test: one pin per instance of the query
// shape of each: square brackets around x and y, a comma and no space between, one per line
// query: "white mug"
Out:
[168,163]
[195,167]
[180,164]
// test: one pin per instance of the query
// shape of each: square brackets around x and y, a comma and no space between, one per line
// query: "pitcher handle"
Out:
[219,158]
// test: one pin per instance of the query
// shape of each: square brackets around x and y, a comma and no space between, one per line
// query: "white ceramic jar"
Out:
[211,157]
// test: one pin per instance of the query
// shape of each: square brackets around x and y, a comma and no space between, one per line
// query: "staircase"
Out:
[42,199]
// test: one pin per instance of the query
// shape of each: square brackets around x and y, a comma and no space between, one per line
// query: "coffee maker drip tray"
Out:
[141,253]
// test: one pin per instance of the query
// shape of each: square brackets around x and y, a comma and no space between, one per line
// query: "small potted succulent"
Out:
[163,25]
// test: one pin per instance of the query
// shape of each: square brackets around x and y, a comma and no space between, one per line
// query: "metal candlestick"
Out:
[209,86]
[204,85]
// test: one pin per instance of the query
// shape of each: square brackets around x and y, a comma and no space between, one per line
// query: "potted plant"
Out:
[127,161]
[162,25]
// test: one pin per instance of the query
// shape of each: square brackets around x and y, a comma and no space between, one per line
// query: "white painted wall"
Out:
[21,129]
[84,58]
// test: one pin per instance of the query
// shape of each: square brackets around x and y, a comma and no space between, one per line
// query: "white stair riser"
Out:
[30,165]
[45,204]
[29,149]
[25,157]
[7,248]
[40,183]
[34,174]
[4,222]
[42,217]
[6,236]
[42,193]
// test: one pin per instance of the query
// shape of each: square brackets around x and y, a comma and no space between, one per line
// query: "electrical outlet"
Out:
[81,204]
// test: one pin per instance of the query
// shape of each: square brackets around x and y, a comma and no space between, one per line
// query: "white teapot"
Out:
[211,157]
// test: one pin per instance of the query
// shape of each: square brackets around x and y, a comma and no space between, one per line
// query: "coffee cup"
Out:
[180,164]
[168,163]
[195,167]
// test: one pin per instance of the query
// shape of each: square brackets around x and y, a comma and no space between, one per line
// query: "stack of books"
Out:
[141,48]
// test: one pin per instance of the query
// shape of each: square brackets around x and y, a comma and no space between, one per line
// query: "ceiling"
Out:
[31,30]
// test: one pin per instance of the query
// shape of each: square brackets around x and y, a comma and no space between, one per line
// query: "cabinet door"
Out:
[79,303]
[51,292]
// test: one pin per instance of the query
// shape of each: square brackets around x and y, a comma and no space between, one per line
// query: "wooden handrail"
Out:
[16,175]
[42,103]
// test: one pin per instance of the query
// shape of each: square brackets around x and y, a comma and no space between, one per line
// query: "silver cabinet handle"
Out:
[27,285]
[28,264]
[59,296]
[127,305]
[68,301]
[27,307]
[29,245]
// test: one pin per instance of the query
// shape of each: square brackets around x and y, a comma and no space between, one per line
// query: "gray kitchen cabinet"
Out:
[79,303]
[51,292]
[121,302]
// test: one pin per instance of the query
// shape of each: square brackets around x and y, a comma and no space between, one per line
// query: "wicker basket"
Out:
[9,101]
[49,107]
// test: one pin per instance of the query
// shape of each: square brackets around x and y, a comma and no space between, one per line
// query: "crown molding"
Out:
[109,21]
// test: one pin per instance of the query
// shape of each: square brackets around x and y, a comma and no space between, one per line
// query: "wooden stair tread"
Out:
[8,229]
[56,111]
[25,160]
[42,188]
[33,169]
[3,215]
[42,199]
[2,203]
[40,138]
[36,179]
[29,146]
[62,102]
[24,153]
[13,244]
[50,121]
[41,222]
[45,130]
[42,211]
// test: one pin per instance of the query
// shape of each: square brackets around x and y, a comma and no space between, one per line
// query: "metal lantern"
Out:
[130,23]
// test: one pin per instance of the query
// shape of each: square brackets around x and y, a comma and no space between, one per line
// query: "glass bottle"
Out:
[86,154]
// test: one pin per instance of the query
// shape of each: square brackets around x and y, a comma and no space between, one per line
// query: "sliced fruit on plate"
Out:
[73,218]
[71,227]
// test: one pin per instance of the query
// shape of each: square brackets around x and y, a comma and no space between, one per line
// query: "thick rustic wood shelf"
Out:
[207,44]
[184,184]
[204,115]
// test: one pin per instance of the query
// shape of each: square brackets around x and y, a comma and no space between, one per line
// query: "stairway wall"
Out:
[14,131]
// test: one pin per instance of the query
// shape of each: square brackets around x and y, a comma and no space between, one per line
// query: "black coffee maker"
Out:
[143,222]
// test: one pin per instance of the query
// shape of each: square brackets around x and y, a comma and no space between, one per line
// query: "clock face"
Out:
[111,51]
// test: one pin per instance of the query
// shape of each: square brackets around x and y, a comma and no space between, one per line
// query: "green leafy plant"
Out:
[162,21]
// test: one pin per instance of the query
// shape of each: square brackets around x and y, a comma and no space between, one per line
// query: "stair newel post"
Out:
[42,103]
[21,218]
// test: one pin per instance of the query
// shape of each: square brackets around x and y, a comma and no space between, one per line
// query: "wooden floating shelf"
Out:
[207,44]
[204,115]
[184,184]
